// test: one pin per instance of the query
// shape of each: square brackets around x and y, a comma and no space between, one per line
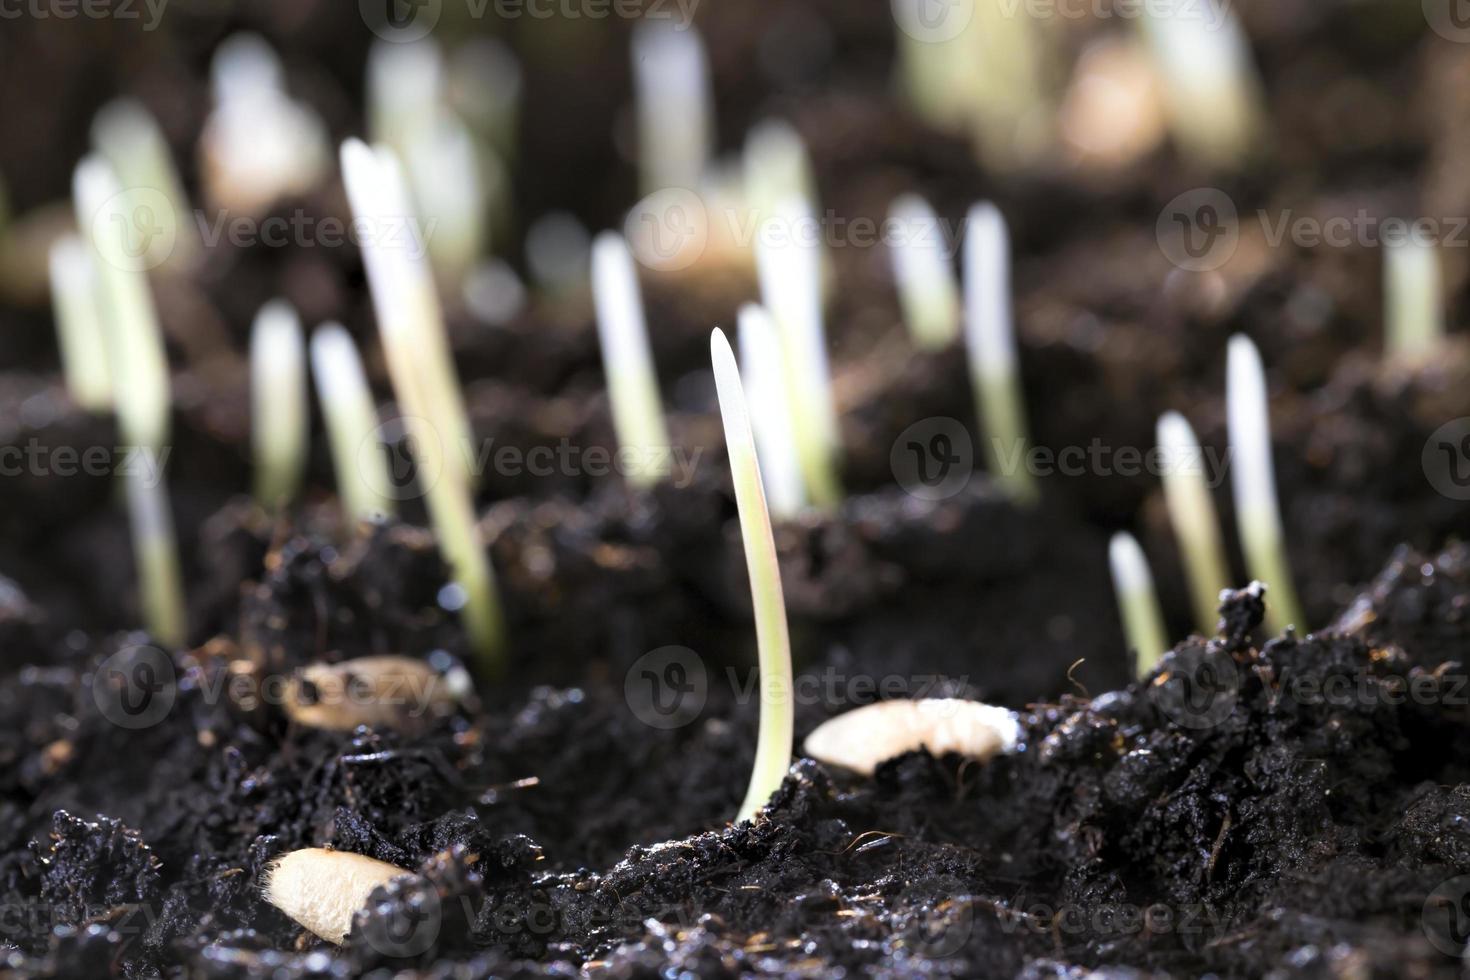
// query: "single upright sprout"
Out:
[140,384]
[352,423]
[1192,513]
[776,168]
[1413,289]
[76,299]
[417,351]
[1254,479]
[990,338]
[927,291]
[485,84]
[777,720]
[259,145]
[675,105]
[445,172]
[128,136]
[1138,604]
[763,364]
[405,90]
[278,403]
[638,415]
[788,260]
[1212,93]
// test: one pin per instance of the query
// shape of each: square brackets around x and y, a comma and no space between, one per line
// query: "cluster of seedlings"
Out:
[778,409]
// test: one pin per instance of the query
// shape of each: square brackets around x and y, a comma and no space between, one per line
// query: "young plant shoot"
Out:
[927,291]
[776,168]
[1257,512]
[1212,94]
[352,423]
[990,339]
[638,415]
[405,91]
[1192,514]
[278,403]
[777,719]
[675,105]
[763,365]
[259,145]
[417,351]
[788,254]
[76,301]
[1138,604]
[446,177]
[127,135]
[1413,289]
[140,384]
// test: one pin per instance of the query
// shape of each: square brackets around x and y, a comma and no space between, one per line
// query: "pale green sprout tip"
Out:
[76,301]
[927,291]
[627,358]
[278,410]
[763,365]
[1413,289]
[1257,511]
[777,712]
[1138,603]
[990,341]
[675,102]
[351,419]
[1193,517]
[127,135]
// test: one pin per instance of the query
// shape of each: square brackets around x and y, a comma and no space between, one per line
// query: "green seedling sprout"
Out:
[777,719]
[127,135]
[417,351]
[990,341]
[788,253]
[259,145]
[1212,93]
[278,412]
[1257,512]
[927,291]
[978,69]
[1192,514]
[76,299]
[1413,289]
[638,415]
[405,90]
[675,105]
[447,179]
[775,168]
[1138,603]
[352,422]
[763,365]
[485,83]
[140,384]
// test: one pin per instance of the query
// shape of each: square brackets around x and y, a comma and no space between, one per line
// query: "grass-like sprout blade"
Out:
[1138,603]
[352,422]
[128,136]
[1413,289]
[76,300]
[788,261]
[1257,511]
[412,330]
[675,100]
[777,724]
[990,338]
[156,553]
[927,291]
[638,415]
[762,363]
[279,420]
[1193,517]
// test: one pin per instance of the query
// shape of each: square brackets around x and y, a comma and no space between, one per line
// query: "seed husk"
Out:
[865,737]
[381,692]
[323,889]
